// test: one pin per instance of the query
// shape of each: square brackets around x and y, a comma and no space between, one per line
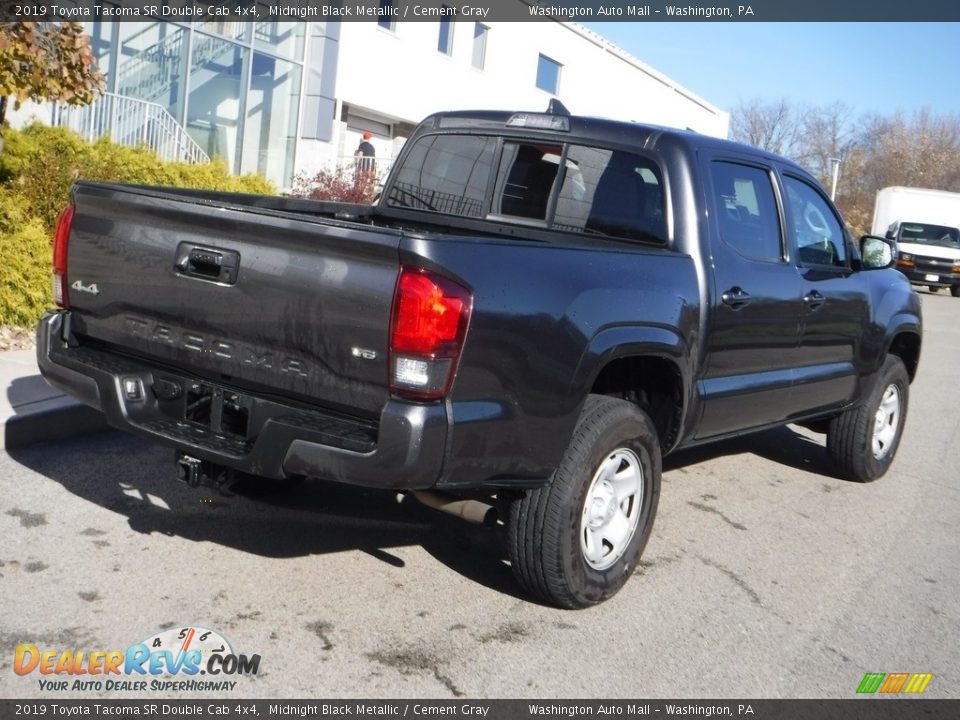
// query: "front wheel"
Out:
[863,441]
[576,542]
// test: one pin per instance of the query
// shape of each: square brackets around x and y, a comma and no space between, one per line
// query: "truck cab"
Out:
[929,254]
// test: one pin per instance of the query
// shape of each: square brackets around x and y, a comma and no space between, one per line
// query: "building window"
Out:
[285,39]
[548,74]
[270,131]
[386,20]
[151,65]
[445,43]
[216,93]
[480,45]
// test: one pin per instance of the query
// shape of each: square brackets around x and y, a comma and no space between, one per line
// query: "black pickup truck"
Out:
[536,310]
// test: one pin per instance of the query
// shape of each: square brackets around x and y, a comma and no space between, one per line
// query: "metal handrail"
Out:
[131,121]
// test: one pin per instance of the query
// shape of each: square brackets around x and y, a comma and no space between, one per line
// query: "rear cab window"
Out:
[566,187]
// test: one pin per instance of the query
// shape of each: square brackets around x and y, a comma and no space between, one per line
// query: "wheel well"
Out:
[906,346]
[652,383]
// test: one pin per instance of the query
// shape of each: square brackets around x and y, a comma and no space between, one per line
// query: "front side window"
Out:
[548,74]
[818,234]
[746,210]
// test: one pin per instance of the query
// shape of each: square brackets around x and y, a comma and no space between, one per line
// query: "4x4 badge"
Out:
[92,289]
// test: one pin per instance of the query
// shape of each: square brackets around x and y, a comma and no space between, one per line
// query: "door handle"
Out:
[213,264]
[736,298]
[814,299]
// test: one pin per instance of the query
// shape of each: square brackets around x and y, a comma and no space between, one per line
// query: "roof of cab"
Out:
[597,129]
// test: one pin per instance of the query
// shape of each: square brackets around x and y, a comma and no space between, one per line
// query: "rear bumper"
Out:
[405,450]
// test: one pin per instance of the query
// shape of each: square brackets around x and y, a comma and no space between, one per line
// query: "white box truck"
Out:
[926,225]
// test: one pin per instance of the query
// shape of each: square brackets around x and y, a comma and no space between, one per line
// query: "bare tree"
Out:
[775,126]
[875,151]
[827,134]
[922,150]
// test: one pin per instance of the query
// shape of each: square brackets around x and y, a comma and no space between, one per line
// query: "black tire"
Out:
[549,529]
[850,438]
[955,290]
[933,288]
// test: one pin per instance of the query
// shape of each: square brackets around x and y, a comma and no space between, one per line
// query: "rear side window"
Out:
[446,174]
[747,210]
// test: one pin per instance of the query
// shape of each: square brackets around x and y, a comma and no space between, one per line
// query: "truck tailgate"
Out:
[271,301]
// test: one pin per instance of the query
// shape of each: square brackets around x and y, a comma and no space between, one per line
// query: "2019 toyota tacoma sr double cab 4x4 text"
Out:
[536,310]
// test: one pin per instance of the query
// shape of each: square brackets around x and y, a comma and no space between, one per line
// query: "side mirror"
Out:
[877,252]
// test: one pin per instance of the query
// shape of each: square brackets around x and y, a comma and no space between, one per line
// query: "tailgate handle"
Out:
[208,263]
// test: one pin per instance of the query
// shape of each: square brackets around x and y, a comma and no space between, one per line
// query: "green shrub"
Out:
[41,163]
[38,166]
[12,213]
[25,284]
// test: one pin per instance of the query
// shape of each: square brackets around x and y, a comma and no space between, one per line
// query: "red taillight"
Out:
[61,292]
[430,318]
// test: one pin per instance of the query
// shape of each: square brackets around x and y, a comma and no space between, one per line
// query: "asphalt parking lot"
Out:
[765,576]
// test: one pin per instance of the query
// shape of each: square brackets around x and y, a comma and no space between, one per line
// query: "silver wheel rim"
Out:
[611,510]
[886,422]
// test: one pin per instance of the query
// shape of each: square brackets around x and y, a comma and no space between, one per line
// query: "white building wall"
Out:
[400,75]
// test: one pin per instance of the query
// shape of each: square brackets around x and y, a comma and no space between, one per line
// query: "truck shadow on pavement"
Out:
[137,479]
[783,445]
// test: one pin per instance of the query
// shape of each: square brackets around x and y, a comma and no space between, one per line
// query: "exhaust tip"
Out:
[473,511]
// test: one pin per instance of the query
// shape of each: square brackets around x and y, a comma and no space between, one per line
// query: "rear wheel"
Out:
[863,441]
[955,290]
[576,542]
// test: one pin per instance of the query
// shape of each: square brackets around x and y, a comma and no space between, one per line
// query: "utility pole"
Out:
[836,176]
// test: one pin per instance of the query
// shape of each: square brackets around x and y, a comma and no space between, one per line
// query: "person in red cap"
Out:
[366,153]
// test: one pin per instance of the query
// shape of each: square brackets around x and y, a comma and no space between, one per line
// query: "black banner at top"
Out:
[487,10]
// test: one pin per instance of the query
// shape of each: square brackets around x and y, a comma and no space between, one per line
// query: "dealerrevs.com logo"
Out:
[189,658]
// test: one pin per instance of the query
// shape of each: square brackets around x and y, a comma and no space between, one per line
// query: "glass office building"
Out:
[234,86]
